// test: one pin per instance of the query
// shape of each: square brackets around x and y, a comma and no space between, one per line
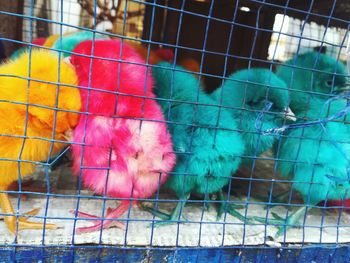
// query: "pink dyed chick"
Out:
[118,154]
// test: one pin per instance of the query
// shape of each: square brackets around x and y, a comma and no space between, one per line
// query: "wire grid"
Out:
[261,174]
[289,42]
[74,16]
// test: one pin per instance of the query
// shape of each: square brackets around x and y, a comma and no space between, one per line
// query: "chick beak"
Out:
[343,89]
[289,115]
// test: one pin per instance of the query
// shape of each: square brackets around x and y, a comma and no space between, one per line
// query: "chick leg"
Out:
[99,224]
[290,221]
[173,218]
[206,203]
[154,212]
[231,208]
[222,205]
[33,212]
[23,223]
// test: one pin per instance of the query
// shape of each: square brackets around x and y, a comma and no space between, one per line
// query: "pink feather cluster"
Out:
[121,146]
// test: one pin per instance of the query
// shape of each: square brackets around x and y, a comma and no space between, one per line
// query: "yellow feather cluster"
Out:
[38,104]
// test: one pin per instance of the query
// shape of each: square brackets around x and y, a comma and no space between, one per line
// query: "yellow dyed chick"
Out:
[34,117]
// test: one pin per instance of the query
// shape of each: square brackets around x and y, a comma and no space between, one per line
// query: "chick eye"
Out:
[255,103]
[329,83]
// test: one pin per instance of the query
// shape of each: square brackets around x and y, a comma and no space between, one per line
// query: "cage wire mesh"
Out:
[98,98]
[288,43]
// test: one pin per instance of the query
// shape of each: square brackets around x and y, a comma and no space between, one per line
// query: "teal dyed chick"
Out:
[246,94]
[312,75]
[204,136]
[316,157]
[69,41]
[317,160]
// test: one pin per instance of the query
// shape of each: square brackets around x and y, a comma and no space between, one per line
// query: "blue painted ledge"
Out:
[114,254]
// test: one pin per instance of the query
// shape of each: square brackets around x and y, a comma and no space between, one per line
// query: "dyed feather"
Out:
[190,64]
[18,52]
[34,121]
[317,161]
[128,151]
[205,138]
[69,41]
[312,75]
[245,94]
[50,40]
[316,158]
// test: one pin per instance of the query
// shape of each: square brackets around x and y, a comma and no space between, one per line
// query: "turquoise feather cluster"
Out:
[315,158]
[215,134]
[205,136]
[320,154]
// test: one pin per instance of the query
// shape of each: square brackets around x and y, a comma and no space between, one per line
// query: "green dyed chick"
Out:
[204,136]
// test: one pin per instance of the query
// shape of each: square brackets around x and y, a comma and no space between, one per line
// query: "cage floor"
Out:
[208,233]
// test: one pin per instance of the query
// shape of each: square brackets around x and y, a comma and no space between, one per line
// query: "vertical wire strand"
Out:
[227,202]
[86,115]
[206,194]
[277,154]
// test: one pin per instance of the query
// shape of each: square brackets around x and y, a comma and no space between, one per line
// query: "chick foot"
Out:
[156,213]
[291,221]
[173,218]
[205,203]
[21,221]
[231,208]
[107,222]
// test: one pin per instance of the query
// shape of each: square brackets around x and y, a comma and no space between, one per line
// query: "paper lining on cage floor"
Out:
[208,233]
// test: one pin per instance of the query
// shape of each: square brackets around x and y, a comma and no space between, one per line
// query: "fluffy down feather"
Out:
[320,74]
[69,41]
[312,75]
[128,151]
[246,93]
[316,159]
[35,122]
[205,138]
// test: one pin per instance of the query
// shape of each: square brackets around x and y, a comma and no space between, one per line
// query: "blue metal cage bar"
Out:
[201,236]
